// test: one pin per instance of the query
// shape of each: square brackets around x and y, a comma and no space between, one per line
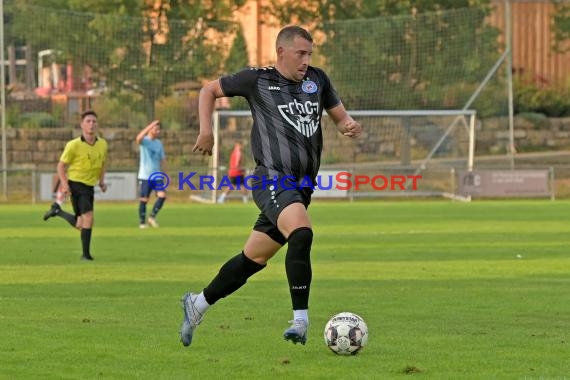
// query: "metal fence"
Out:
[24,186]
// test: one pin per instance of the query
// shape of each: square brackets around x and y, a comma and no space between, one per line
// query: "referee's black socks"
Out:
[70,218]
[86,241]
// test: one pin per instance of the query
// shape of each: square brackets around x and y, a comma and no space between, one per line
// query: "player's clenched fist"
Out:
[352,129]
[204,144]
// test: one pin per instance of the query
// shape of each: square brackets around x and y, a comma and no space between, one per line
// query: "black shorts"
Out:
[82,197]
[271,200]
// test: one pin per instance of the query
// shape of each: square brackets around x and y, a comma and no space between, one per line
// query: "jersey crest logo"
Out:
[302,116]
[309,87]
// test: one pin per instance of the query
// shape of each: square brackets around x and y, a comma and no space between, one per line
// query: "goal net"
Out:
[401,153]
[134,69]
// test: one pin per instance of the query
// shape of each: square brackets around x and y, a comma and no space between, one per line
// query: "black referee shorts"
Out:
[271,199]
[82,197]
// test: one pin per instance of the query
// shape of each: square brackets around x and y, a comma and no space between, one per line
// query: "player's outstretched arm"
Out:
[206,103]
[344,122]
[145,131]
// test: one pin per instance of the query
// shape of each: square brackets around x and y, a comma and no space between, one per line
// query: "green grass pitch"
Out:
[449,290]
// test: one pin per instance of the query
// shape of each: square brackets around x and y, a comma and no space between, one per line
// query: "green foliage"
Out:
[538,120]
[382,54]
[318,12]
[34,120]
[424,60]
[552,101]
[400,54]
[237,58]
[12,116]
[129,45]
[177,112]
[238,103]
[493,99]
[561,25]
[115,113]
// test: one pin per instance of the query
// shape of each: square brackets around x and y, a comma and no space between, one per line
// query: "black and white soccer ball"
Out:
[346,333]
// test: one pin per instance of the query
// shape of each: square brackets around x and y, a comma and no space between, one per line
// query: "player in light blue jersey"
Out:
[152,161]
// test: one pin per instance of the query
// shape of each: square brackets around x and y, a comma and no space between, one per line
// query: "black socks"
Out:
[70,218]
[235,272]
[298,266]
[86,242]
[232,276]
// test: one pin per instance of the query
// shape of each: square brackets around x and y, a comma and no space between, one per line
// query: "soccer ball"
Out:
[346,333]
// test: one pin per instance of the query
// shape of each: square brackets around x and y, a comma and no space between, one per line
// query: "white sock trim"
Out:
[201,304]
[301,314]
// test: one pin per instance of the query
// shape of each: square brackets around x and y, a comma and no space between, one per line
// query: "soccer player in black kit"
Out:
[287,102]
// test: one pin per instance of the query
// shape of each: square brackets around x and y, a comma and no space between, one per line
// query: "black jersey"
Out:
[286,138]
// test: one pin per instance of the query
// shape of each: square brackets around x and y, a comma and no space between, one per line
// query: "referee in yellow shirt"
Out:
[81,166]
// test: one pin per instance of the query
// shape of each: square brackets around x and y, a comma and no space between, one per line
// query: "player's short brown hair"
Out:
[288,33]
[87,113]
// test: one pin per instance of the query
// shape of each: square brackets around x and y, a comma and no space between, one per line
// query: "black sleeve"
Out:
[241,83]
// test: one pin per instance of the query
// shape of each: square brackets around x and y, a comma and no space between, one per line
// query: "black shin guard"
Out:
[298,266]
[232,276]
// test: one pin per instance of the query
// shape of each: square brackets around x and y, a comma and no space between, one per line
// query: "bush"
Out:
[177,112]
[35,120]
[552,101]
[117,112]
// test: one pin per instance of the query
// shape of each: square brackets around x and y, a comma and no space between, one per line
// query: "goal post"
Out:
[433,144]
[466,117]
[215,167]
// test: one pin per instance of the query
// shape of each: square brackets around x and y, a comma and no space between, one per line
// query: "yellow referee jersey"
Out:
[85,162]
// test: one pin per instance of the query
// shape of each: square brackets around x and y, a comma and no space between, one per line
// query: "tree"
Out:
[561,26]
[137,49]
[392,54]
[237,58]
